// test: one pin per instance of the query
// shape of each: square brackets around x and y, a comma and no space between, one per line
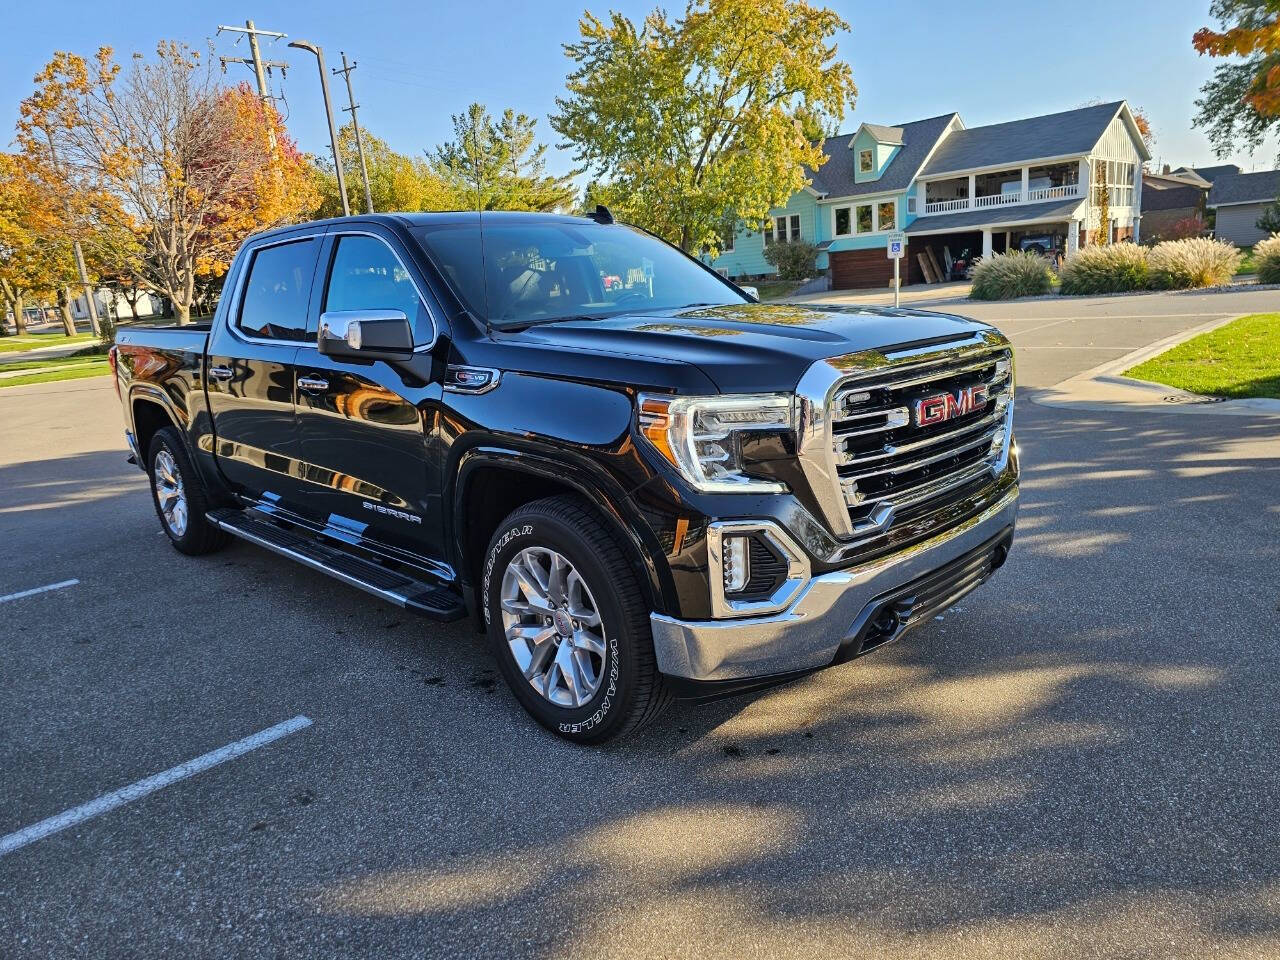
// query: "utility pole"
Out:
[259,66]
[351,99]
[333,129]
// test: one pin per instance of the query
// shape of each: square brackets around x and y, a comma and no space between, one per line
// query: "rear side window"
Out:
[367,275]
[278,291]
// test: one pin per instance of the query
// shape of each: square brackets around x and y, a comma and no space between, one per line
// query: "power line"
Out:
[261,68]
[355,123]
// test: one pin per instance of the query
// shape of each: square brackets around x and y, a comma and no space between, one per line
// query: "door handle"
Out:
[221,373]
[312,384]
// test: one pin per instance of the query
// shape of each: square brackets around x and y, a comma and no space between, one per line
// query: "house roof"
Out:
[996,216]
[1163,191]
[891,135]
[1209,174]
[835,178]
[1261,187]
[1017,141]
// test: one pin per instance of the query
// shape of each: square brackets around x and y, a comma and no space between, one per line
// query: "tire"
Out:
[175,484]
[618,653]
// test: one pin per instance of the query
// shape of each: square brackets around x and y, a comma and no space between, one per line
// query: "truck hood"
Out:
[754,347]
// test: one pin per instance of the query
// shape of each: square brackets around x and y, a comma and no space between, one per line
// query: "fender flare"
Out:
[150,393]
[602,492]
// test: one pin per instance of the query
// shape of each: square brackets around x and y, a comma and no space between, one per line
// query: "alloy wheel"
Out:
[553,626]
[171,493]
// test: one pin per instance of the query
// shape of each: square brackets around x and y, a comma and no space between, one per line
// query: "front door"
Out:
[250,373]
[363,424]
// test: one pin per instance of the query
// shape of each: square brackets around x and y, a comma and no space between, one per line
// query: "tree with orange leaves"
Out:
[163,151]
[1241,103]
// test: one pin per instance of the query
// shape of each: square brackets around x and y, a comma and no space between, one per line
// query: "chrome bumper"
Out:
[809,633]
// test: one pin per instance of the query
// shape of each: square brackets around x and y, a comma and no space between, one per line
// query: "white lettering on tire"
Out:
[602,711]
[493,556]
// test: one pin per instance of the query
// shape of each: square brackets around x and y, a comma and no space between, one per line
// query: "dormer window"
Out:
[865,164]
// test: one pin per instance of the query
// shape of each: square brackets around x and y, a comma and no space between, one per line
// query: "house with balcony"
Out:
[1042,183]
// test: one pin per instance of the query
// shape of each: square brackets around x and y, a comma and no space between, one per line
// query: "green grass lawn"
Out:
[1237,361]
[775,289]
[1246,264]
[56,368]
[29,341]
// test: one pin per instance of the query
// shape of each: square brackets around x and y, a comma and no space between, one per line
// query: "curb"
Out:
[1104,388]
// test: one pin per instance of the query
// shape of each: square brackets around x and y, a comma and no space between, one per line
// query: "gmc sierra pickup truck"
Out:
[637,480]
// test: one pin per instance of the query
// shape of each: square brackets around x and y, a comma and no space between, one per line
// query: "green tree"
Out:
[1270,219]
[499,165]
[707,119]
[396,181]
[1240,104]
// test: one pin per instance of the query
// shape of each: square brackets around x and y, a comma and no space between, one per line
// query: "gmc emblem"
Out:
[945,406]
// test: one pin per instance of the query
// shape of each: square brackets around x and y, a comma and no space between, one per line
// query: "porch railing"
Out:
[1038,195]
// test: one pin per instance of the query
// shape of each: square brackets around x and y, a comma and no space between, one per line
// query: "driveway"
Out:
[1079,760]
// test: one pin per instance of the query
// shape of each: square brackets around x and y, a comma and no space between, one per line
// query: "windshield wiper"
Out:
[505,324]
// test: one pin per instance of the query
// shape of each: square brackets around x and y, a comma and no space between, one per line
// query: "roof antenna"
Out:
[602,214]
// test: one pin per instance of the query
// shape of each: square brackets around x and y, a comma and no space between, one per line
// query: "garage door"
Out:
[860,269]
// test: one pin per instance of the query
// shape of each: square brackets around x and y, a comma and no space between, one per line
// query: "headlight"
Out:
[700,435]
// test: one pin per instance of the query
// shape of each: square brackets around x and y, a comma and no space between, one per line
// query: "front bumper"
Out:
[832,610]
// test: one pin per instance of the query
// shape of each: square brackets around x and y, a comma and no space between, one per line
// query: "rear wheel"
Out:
[568,623]
[179,496]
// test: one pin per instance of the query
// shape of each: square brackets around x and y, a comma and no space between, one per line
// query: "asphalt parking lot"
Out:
[1079,760]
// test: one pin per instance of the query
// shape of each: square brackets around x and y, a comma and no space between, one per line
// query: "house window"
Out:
[863,216]
[864,161]
[1118,176]
[782,230]
[888,215]
[843,225]
[726,239]
[911,204]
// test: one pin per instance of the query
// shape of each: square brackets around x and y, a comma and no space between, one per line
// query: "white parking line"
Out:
[117,798]
[34,590]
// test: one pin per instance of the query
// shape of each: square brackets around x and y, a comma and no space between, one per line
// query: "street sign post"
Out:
[895,244]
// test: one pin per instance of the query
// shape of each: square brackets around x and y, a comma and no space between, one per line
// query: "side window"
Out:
[367,275]
[278,290]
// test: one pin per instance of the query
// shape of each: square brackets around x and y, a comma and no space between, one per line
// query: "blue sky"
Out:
[420,62]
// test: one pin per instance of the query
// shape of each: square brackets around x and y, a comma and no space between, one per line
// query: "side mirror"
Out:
[751,292]
[366,334]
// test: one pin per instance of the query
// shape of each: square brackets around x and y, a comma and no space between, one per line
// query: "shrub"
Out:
[795,260]
[1266,258]
[1008,275]
[1196,262]
[1113,268]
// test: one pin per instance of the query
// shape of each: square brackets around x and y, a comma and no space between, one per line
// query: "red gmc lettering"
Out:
[945,406]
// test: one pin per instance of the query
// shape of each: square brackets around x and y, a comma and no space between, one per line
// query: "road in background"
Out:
[1079,760]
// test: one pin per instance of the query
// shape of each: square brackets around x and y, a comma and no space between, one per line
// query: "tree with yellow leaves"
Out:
[35,254]
[162,151]
[695,123]
[1241,103]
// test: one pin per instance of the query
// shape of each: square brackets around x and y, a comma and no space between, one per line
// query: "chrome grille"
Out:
[881,464]
[883,457]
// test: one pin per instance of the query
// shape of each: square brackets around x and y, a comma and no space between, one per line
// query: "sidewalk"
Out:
[1105,387]
[45,353]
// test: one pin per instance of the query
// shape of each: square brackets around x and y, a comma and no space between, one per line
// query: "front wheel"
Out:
[568,623]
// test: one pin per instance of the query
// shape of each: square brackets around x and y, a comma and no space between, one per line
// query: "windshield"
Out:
[537,272]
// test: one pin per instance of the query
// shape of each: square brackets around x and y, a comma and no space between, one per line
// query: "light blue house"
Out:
[1025,184]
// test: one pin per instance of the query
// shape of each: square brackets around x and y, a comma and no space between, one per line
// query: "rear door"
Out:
[363,425]
[250,374]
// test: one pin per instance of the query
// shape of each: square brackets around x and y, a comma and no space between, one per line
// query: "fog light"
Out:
[737,570]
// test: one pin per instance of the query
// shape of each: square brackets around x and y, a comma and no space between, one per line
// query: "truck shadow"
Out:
[1076,755]
[1080,758]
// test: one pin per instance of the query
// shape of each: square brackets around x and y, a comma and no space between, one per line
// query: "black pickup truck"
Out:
[642,483]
